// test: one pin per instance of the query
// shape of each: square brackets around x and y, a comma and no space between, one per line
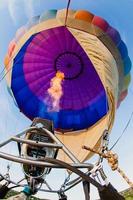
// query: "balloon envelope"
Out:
[95,65]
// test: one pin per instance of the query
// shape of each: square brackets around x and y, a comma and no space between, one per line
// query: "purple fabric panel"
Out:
[114,34]
[56,49]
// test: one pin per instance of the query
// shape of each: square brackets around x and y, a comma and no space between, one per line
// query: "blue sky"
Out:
[15,13]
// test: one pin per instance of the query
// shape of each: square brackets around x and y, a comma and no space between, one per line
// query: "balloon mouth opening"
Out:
[70,64]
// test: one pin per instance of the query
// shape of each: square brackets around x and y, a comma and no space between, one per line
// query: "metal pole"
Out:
[86,187]
[36,143]
[44,163]
[18,135]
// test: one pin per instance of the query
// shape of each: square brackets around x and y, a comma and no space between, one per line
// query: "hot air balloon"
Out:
[74,71]
[96,67]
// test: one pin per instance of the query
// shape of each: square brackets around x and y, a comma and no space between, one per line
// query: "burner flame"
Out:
[55,91]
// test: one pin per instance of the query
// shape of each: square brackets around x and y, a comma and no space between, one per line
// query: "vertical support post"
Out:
[86,187]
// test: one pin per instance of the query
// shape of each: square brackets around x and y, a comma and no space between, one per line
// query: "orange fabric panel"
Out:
[84,15]
[11,47]
[6,61]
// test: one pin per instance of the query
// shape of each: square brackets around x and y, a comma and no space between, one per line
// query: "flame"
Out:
[55,90]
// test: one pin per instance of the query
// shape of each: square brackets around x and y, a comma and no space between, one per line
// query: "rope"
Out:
[68,5]
[125,177]
[112,159]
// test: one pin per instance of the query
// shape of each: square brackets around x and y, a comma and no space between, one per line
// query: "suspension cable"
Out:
[68,5]
[122,131]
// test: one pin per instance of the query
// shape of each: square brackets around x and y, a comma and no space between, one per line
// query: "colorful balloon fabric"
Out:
[45,46]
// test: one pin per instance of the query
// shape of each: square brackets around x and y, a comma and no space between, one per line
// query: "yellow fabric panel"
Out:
[127,80]
[84,15]
[101,58]
[116,54]
[62,13]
